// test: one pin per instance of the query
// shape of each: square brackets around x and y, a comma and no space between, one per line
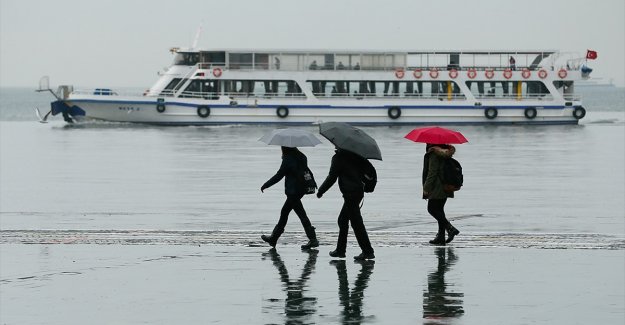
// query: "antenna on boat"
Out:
[197,37]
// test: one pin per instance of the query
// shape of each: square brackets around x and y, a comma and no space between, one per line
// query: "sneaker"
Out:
[337,254]
[363,256]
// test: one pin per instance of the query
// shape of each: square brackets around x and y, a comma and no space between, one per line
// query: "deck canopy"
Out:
[358,60]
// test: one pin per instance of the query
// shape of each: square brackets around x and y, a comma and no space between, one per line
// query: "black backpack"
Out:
[369,176]
[307,181]
[451,176]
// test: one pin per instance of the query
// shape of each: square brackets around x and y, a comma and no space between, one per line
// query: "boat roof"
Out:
[407,52]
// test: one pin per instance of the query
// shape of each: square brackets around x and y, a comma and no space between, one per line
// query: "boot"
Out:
[451,233]
[312,239]
[364,256]
[337,253]
[273,239]
[439,240]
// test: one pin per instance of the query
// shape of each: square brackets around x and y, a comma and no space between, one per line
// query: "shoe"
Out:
[311,243]
[363,256]
[439,240]
[269,239]
[337,254]
[451,233]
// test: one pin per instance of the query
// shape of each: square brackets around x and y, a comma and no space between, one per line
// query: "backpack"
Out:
[451,176]
[369,176]
[307,181]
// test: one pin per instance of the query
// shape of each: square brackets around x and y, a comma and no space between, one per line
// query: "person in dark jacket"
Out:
[346,167]
[293,162]
[434,192]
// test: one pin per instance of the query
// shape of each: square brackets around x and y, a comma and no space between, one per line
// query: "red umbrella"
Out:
[436,135]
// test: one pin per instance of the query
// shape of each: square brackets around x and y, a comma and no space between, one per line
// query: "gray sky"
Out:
[124,43]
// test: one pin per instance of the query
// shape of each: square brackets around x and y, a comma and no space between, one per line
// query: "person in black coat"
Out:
[346,167]
[293,162]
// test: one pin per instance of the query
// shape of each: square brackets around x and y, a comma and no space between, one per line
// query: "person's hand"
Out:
[426,194]
[319,195]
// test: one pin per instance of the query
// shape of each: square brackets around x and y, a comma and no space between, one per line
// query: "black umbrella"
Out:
[350,138]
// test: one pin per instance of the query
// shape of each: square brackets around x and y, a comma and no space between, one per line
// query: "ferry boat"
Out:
[217,87]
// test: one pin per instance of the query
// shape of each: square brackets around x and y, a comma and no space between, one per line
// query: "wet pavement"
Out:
[234,284]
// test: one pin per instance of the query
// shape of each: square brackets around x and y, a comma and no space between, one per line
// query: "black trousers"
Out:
[436,208]
[350,213]
[293,202]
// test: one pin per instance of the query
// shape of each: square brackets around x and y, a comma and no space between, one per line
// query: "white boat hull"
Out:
[180,111]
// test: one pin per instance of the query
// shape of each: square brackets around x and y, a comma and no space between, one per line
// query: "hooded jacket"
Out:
[432,171]
[293,161]
[346,167]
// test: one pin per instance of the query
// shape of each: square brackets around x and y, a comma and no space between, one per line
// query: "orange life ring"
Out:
[399,73]
[507,73]
[526,73]
[562,73]
[542,73]
[453,73]
[472,73]
[489,73]
[418,73]
[433,73]
[217,72]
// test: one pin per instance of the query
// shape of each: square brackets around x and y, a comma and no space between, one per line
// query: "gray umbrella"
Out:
[290,138]
[349,138]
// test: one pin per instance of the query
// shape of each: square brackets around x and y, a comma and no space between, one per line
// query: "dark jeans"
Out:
[350,213]
[436,207]
[293,202]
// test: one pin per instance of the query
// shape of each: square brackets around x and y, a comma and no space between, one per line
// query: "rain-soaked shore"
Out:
[158,283]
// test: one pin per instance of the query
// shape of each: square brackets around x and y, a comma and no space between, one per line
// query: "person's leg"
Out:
[436,209]
[343,223]
[358,224]
[298,207]
[279,228]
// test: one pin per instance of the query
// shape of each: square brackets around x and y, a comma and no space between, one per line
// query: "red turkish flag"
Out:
[591,55]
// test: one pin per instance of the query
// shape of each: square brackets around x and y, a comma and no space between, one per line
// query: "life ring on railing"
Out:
[282,111]
[203,111]
[579,112]
[453,73]
[418,73]
[394,112]
[562,73]
[489,73]
[399,73]
[507,73]
[526,73]
[542,73]
[490,113]
[217,72]
[530,113]
[472,73]
[433,73]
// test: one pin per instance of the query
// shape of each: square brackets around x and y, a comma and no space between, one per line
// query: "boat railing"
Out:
[265,67]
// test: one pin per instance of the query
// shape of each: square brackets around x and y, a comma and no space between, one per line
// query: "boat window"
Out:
[508,89]
[209,59]
[207,89]
[186,58]
[360,89]
[240,60]
[173,86]
[262,88]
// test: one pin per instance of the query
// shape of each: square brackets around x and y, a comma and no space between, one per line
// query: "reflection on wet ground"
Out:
[439,301]
[297,307]
[351,300]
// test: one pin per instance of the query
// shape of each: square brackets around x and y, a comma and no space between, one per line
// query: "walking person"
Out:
[346,167]
[434,190]
[293,162]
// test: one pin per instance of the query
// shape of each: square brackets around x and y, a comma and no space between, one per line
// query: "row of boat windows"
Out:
[328,88]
